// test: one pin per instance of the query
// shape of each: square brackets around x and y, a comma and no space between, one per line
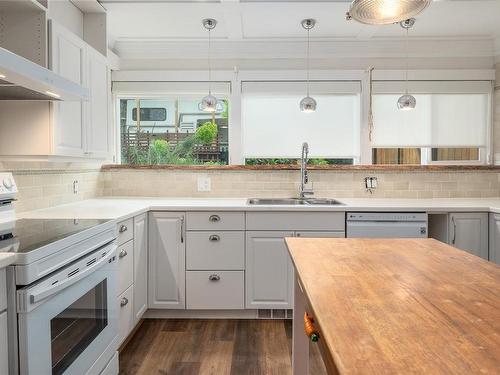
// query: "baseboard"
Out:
[219,314]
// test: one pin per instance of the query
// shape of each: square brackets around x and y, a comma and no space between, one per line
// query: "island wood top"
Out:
[401,306]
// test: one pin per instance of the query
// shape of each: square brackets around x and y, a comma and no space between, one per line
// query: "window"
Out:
[274,128]
[450,123]
[171,129]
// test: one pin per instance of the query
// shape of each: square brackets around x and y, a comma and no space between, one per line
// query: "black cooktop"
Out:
[25,235]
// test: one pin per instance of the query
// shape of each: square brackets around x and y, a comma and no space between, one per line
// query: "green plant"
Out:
[207,133]
[225,112]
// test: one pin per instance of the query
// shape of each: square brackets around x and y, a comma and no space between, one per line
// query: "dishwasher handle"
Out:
[454,230]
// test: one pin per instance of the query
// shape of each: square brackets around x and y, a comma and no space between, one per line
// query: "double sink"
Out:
[293,202]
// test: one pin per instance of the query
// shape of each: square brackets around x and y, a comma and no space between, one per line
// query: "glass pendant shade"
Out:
[383,12]
[407,102]
[208,103]
[308,105]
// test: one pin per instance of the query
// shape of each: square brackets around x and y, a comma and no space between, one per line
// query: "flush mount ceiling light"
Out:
[407,102]
[209,103]
[308,104]
[383,12]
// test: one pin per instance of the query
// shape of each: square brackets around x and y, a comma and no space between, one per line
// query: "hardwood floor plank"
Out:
[212,347]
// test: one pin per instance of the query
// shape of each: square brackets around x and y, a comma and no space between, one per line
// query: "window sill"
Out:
[283,167]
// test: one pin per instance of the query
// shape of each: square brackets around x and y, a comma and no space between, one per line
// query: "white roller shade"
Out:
[274,127]
[448,114]
[156,89]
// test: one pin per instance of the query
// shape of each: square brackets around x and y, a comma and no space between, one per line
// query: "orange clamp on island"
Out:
[309,329]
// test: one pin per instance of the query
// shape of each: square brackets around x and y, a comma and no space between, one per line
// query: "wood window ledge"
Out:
[284,167]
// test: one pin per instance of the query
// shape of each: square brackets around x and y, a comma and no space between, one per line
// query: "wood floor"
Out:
[218,347]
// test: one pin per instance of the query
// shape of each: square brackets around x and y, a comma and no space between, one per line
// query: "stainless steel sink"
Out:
[293,202]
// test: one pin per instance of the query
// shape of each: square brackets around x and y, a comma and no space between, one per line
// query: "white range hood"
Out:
[22,79]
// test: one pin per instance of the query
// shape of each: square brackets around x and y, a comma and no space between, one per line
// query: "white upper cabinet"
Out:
[67,57]
[80,129]
[98,142]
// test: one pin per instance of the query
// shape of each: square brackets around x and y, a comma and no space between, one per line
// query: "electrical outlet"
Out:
[75,187]
[371,183]
[204,184]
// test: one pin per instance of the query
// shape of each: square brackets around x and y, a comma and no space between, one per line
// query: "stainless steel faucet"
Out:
[304,178]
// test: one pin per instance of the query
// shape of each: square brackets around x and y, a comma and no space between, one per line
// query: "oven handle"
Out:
[40,295]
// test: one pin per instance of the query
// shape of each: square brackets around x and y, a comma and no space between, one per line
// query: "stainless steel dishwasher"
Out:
[386,225]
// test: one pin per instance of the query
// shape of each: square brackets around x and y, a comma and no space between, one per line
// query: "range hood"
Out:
[22,79]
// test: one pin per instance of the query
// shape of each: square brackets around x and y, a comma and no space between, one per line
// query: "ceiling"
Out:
[171,29]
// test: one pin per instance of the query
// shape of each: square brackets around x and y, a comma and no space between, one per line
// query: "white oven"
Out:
[67,321]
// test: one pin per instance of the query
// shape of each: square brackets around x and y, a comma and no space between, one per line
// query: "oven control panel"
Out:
[8,188]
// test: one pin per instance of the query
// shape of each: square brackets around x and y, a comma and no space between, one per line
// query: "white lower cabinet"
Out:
[125,266]
[4,355]
[494,243]
[215,290]
[269,270]
[469,232]
[140,266]
[126,321]
[167,255]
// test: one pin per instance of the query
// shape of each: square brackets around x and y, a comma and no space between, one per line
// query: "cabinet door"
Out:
[269,271]
[140,266]
[166,260]
[67,57]
[97,125]
[4,358]
[494,248]
[469,232]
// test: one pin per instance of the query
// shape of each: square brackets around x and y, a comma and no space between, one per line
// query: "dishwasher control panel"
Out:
[386,216]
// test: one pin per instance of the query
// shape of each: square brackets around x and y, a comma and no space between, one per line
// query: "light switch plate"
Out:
[204,184]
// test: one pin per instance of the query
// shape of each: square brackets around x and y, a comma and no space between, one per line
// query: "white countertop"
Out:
[125,207]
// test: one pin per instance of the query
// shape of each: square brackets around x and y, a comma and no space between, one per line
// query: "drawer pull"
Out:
[214,238]
[214,277]
[309,328]
[123,228]
[122,254]
[124,301]
[214,218]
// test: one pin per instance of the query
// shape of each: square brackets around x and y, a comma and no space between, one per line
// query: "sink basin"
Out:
[277,201]
[293,202]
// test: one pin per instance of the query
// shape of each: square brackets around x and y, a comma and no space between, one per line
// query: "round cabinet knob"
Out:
[124,301]
[7,182]
[214,277]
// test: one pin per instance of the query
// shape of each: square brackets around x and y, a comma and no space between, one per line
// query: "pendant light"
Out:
[209,102]
[383,12]
[407,102]
[308,104]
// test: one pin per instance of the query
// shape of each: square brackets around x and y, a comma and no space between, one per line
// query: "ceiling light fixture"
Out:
[384,12]
[407,102]
[209,103]
[308,104]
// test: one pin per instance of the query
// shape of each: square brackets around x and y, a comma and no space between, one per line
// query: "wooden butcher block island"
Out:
[395,306]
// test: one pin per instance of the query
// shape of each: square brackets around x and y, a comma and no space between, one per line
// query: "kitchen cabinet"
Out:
[269,270]
[98,135]
[126,319]
[167,255]
[469,232]
[494,243]
[4,357]
[125,266]
[140,266]
[67,57]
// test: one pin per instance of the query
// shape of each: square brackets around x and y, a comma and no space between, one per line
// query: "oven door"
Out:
[66,327]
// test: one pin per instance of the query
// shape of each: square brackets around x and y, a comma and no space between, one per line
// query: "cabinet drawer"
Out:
[300,221]
[125,314]
[215,290]
[215,250]
[125,266]
[3,290]
[216,221]
[125,231]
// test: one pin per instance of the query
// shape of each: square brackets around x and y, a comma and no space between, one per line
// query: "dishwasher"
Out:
[386,225]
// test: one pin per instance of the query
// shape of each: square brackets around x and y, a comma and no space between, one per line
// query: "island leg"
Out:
[300,345]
